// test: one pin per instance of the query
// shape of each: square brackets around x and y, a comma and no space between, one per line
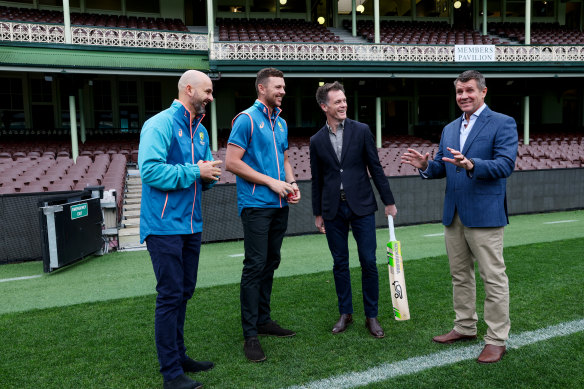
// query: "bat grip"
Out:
[391,228]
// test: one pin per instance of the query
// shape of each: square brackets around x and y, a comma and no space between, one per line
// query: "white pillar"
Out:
[67,21]
[73,125]
[378,120]
[354,17]
[526,120]
[82,116]
[528,22]
[376,20]
[214,125]
[210,21]
[484,17]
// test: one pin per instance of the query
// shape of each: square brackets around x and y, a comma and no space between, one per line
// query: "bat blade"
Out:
[397,281]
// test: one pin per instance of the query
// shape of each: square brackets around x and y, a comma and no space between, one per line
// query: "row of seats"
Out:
[95,20]
[46,174]
[541,33]
[543,152]
[429,33]
[276,30]
[54,149]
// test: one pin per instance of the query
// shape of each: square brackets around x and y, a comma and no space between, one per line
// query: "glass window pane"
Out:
[72,3]
[41,90]
[128,92]
[102,95]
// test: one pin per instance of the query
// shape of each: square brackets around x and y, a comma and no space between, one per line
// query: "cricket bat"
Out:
[397,281]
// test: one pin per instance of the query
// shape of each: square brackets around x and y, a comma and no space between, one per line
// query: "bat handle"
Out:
[391,228]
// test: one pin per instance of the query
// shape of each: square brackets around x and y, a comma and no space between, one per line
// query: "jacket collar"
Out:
[185,113]
[265,110]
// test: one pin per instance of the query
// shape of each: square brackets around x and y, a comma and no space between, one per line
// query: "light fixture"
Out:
[360,8]
[283,2]
[320,83]
[320,20]
[457,4]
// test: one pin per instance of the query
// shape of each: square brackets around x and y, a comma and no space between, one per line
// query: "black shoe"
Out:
[253,350]
[272,328]
[182,382]
[192,366]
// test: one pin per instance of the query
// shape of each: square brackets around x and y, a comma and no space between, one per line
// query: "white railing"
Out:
[101,36]
[252,51]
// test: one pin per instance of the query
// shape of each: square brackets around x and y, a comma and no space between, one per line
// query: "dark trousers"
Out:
[337,235]
[175,259]
[263,232]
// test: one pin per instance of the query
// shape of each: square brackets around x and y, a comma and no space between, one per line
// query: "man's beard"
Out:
[199,108]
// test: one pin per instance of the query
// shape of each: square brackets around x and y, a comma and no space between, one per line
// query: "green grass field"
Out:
[92,325]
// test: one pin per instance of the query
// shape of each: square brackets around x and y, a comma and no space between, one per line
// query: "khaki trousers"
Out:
[465,246]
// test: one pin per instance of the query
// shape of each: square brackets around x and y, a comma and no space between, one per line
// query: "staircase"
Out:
[129,234]
[346,36]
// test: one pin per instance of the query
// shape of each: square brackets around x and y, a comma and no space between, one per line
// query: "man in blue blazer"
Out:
[341,154]
[477,153]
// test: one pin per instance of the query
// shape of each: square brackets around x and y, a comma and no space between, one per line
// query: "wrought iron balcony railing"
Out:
[103,36]
[267,51]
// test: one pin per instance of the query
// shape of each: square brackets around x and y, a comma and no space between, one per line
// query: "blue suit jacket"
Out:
[479,197]
[359,154]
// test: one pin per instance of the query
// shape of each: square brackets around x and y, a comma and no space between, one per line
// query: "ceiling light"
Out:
[360,8]
[457,4]
[320,20]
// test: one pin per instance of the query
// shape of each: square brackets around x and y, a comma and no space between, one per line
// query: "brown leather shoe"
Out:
[343,323]
[374,327]
[452,337]
[491,354]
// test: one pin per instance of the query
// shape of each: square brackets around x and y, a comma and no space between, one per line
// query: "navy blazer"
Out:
[479,197]
[359,154]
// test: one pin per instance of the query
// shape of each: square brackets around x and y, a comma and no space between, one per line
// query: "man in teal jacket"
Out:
[176,165]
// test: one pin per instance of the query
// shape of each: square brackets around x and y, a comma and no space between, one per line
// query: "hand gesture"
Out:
[209,170]
[459,160]
[417,160]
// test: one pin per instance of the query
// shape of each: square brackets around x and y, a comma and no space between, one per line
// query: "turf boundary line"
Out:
[444,358]
[20,278]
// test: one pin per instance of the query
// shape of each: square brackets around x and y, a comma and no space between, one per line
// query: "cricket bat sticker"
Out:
[397,281]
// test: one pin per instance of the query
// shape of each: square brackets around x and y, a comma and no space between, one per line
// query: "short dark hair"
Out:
[468,75]
[322,91]
[266,73]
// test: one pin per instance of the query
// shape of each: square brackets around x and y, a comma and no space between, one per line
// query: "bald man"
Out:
[176,165]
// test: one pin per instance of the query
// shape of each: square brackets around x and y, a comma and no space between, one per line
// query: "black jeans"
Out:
[263,232]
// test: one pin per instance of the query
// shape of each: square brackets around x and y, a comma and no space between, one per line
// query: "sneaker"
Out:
[253,350]
[272,328]
[182,382]
[192,366]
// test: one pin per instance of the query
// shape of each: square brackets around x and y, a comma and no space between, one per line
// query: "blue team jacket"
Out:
[264,138]
[171,144]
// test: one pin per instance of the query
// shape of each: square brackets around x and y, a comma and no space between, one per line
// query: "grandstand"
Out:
[103,68]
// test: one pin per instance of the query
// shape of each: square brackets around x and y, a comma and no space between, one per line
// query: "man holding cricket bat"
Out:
[476,154]
[341,153]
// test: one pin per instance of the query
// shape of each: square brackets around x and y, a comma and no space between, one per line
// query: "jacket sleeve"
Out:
[504,153]
[375,169]
[316,180]
[208,157]
[155,141]
[436,167]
